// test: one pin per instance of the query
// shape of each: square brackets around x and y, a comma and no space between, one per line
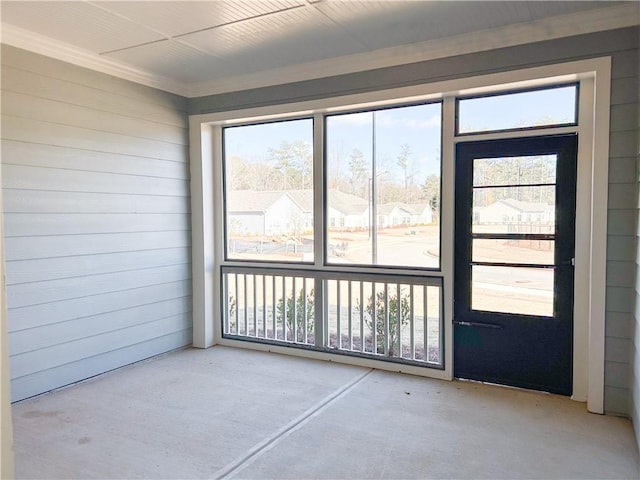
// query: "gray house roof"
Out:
[416,208]
[251,201]
[303,198]
[346,203]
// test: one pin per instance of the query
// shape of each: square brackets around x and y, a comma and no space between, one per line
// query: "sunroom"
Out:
[400,208]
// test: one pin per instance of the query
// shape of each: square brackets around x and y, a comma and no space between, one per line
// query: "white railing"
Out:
[388,317]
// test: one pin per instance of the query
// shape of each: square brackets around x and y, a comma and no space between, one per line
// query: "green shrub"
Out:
[380,318]
[232,313]
[300,315]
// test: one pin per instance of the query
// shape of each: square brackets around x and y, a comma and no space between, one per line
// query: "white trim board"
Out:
[590,21]
[33,42]
[591,214]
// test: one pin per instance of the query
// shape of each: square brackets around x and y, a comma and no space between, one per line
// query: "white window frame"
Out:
[594,76]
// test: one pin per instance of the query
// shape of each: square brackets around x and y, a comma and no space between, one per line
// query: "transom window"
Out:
[539,108]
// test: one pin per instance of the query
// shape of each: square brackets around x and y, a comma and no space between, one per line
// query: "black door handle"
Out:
[479,325]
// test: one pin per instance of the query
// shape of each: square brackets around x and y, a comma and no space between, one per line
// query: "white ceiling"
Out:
[198,47]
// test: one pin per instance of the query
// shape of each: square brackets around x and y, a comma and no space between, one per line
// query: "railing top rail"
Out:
[326,274]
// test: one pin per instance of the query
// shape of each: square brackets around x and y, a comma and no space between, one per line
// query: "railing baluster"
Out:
[399,320]
[245,304]
[350,317]
[440,329]
[237,304]
[361,316]
[386,319]
[295,310]
[284,308]
[255,307]
[264,306]
[305,320]
[412,322]
[338,326]
[274,309]
[374,318]
[320,312]
[426,325]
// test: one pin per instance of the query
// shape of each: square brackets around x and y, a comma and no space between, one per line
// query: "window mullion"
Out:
[318,191]
[318,228]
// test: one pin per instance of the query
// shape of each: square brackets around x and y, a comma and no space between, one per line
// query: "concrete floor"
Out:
[234,413]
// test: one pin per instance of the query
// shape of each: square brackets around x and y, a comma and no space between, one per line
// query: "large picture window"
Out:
[383,187]
[268,178]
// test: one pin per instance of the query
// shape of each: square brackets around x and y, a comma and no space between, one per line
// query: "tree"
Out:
[335,175]
[358,170]
[431,191]
[516,171]
[404,163]
[294,162]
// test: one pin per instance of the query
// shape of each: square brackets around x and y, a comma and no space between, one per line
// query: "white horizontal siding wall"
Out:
[635,323]
[95,181]
[622,231]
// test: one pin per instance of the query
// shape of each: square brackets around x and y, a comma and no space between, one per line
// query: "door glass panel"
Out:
[517,290]
[514,170]
[535,252]
[514,209]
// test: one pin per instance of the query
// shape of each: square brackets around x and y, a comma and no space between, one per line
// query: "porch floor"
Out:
[235,413]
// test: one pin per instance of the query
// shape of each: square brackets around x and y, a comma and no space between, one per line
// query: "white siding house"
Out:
[346,211]
[396,214]
[256,213]
[514,211]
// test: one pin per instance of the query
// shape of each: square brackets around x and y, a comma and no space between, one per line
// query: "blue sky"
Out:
[417,126]
[518,109]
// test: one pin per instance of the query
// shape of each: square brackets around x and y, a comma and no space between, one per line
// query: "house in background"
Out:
[108,229]
[268,213]
[396,214]
[419,213]
[347,211]
[514,211]
[350,212]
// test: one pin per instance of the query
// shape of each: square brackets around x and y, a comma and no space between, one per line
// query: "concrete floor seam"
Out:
[244,461]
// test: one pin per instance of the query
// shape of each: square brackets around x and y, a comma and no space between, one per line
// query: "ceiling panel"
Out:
[412,22]
[172,59]
[199,41]
[77,23]
[287,38]
[176,18]
[545,9]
